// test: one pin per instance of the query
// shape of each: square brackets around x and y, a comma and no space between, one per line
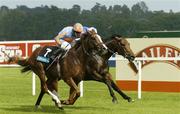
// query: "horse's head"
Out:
[91,41]
[122,47]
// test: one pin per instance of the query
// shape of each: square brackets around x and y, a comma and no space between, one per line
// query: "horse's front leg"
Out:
[71,92]
[117,89]
[106,80]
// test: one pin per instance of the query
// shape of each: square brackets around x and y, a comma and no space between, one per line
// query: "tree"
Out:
[117,9]
[125,11]
[76,8]
[96,8]
[139,9]
[45,22]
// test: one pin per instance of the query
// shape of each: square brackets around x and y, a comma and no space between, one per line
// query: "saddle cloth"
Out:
[49,53]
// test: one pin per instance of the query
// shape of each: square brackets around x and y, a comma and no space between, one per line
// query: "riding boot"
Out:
[56,56]
[59,52]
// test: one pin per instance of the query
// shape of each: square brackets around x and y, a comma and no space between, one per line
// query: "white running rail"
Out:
[137,63]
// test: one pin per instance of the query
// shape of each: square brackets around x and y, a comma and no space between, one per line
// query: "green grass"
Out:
[16,98]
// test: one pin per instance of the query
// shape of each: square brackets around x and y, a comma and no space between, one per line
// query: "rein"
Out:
[119,46]
[111,51]
[84,49]
[92,54]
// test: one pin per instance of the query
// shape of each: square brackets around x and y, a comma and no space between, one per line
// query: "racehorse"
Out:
[71,66]
[116,45]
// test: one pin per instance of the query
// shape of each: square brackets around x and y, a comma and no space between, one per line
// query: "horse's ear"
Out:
[116,37]
[89,32]
[93,31]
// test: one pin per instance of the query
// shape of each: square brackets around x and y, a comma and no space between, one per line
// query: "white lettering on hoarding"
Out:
[10,51]
[35,46]
[2,56]
[160,51]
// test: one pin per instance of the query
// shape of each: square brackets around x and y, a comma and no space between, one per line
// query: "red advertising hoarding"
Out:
[20,48]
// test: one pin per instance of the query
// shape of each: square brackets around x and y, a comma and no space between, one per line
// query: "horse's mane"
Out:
[112,37]
[78,43]
[115,35]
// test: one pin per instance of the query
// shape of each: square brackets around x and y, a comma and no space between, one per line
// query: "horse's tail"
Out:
[20,61]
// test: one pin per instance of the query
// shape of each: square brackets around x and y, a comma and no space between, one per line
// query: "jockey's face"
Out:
[77,34]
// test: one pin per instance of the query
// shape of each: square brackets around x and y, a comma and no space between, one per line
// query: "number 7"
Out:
[48,50]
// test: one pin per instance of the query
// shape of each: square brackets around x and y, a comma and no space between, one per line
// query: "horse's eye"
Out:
[122,44]
[93,38]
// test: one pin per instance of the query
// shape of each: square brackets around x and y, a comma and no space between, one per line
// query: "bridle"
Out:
[126,55]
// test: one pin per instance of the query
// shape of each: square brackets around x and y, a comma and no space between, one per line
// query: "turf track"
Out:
[16,98]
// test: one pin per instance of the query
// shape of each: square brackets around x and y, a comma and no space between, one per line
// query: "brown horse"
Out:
[98,70]
[117,45]
[71,66]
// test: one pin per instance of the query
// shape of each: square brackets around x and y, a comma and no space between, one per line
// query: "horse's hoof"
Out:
[62,101]
[61,108]
[66,102]
[36,107]
[59,105]
[115,101]
[130,100]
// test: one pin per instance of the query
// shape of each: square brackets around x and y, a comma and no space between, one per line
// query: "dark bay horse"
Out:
[98,70]
[117,45]
[73,65]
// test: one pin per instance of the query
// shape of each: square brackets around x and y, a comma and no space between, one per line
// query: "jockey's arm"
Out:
[63,42]
[58,37]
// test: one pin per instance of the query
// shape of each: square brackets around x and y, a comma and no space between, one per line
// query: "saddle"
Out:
[50,54]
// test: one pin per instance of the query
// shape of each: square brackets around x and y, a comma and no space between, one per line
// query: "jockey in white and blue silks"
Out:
[71,33]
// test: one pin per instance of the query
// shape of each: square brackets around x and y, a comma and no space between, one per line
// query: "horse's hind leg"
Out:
[41,74]
[39,99]
[51,86]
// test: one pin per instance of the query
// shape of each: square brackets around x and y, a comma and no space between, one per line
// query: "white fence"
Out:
[139,67]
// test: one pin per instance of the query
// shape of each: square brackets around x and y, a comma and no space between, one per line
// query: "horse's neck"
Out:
[111,50]
[107,55]
[79,53]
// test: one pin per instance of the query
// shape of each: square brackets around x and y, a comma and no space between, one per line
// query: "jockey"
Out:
[71,33]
